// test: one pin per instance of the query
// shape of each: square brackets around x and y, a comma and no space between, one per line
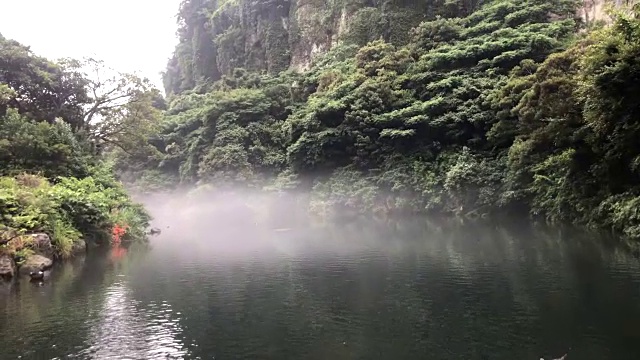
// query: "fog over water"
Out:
[252,276]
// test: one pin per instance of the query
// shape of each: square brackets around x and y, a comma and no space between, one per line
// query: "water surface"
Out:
[415,289]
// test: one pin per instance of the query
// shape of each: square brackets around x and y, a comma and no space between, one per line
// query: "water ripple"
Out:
[126,329]
[461,293]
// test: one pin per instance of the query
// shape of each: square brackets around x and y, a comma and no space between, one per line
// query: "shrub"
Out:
[48,149]
[68,210]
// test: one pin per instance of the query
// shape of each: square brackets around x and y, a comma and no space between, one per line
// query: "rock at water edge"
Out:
[35,263]
[79,247]
[42,244]
[7,267]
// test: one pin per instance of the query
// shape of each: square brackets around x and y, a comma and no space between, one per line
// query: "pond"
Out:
[359,290]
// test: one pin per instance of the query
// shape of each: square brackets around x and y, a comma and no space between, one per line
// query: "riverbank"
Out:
[32,254]
[43,220]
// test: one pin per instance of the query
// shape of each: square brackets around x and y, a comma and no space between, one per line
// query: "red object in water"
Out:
[117,233]
[116,238]
[117,253]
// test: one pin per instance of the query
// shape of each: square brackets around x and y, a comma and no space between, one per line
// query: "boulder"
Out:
[42,244]
[79,247]
[41,241]
[7,267]
[35,263]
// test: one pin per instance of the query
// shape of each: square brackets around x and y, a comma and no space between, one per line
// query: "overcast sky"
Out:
[129,35]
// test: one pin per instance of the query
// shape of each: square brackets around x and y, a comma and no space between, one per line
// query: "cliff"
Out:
[217,36]
[592,11]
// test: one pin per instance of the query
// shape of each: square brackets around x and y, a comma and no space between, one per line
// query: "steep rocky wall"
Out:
[593,11]
[217,36]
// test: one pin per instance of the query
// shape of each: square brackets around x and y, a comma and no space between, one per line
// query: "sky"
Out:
[128,35]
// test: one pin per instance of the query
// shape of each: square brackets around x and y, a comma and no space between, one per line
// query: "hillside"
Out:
[474,108]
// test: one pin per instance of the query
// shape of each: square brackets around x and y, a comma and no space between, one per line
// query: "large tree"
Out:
[41,90]
[110,108]
[123,109]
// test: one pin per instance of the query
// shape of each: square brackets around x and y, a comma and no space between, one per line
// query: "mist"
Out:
[229,222]
[210,224]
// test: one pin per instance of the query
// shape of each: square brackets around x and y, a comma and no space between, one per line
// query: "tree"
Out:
[122,109]
[41,90]
[6,94]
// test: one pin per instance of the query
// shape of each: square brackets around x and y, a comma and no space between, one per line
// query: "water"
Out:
[366,290]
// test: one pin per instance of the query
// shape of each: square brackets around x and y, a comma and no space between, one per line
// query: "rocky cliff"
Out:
[592,11]
[217,36]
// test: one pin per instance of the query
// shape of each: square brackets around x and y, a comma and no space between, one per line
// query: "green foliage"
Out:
[40,90]
[573,117]
[217,37]
[51,178]
[87,204]
[365,26]
[51,149]
[364,108]
[22,203]
[68,210]
[621,213]
[468,107]
[147,181]
[227,135]
[64,235]
[346,190]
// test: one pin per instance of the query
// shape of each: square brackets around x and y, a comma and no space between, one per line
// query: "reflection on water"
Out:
[125,329]
[367,290]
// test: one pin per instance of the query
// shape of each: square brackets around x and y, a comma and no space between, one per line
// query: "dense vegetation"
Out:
[469,107]
[483,108]
[55,121]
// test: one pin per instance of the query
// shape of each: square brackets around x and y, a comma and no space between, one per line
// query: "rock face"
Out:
[217,37]
[35,263]
[7,267]
[592,11]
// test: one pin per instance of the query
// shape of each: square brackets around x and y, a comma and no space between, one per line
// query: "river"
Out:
[415,289]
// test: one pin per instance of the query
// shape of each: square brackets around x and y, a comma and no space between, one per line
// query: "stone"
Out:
[79,247]
[35,263]
[41,240]
[42,244]
[7,267]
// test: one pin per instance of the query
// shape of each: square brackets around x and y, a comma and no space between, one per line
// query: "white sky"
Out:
[129,35]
